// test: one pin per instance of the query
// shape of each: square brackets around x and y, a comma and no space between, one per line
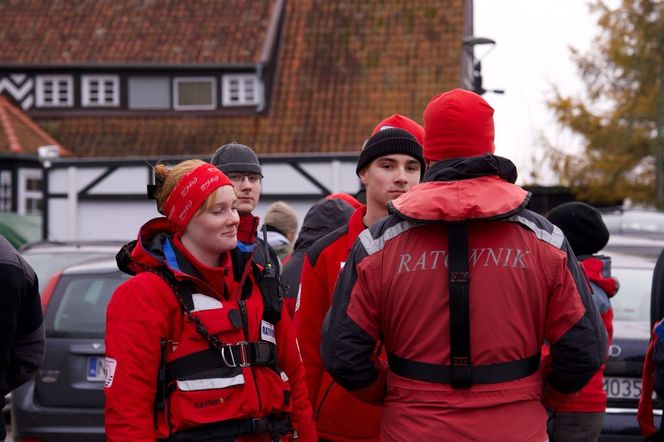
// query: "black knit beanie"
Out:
[390,141]
[583,226]
[236,157]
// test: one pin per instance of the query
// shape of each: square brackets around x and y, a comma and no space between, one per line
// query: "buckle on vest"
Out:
[243,355]
[228,347]
[461,375]
[460,277]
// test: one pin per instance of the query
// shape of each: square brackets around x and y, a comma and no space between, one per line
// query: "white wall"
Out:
[71,217]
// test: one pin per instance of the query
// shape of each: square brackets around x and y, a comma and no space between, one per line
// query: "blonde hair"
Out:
[167,178]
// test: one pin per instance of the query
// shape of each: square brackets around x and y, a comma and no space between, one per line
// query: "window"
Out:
[30,192]
[149,93]
[5,191]
[241,90]
[83,302]
[55,91]
[100,90]
[194,93]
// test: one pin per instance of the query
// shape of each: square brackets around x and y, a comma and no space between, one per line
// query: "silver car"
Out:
[65,401]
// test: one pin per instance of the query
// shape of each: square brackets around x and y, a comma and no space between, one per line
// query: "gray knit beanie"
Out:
[236,157]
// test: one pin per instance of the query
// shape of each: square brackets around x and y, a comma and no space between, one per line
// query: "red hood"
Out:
[595,270]
[482,198]
[148,252]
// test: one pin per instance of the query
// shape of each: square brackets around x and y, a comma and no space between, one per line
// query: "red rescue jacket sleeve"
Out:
[289,360]
[135,322]
[574,328]
[350,330]
[314,302]
[644,415]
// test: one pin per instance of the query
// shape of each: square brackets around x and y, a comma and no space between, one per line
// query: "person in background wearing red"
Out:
[580,419]
[326,215]
[196,345]
[391,162]
[461,285]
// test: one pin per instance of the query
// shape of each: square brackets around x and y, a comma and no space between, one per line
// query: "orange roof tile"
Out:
[343,66]
[66,32]
[19,133]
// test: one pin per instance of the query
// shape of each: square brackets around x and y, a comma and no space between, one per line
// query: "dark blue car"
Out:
[633,260]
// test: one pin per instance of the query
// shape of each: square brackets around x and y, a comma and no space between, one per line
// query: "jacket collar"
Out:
[464,189]
[473,167]
[356,225]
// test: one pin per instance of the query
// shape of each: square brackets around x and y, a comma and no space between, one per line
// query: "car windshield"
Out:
[46,264]
[83,301]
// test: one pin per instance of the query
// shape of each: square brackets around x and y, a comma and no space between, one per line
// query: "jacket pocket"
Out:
[211,396]
[274,390]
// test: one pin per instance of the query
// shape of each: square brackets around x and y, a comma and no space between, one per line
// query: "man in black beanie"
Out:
[240,164]
[581,418]
[391,162]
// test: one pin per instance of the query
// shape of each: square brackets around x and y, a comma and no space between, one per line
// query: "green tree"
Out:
[621,116]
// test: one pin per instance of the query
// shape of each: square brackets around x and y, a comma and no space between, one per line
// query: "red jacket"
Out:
[592,398]
[525,287]
[144,310]
[645,412]
[338,414]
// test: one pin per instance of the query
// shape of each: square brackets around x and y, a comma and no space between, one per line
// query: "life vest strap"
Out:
[459,305]
[479,374]
[242,354]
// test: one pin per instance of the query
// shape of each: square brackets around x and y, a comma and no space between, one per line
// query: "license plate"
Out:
[96,369]
[622,388]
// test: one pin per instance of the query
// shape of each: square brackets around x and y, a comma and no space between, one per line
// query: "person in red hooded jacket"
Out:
[652,381]
[196,347]
[390,163]
[461,284]
[581,418]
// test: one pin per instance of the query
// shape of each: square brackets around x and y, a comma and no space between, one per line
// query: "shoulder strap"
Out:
[459,305]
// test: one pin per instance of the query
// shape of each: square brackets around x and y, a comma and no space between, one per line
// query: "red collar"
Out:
[247,229]
[356,225]
[220,279]
[594,268]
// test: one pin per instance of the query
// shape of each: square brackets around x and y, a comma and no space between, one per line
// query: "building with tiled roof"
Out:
[151,78]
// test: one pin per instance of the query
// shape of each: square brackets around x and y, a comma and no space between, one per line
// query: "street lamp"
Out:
[469,44]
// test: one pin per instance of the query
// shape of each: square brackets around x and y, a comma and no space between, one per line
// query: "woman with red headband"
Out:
[196,347]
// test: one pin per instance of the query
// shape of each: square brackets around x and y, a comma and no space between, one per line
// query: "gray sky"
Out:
[531,54]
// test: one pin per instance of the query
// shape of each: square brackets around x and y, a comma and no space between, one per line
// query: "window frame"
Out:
[86,81]
[24,194]
[242,101]
[6,189]
[56,79]
[149,107]
[195,107]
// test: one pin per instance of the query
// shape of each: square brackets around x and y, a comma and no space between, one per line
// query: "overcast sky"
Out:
[531,54]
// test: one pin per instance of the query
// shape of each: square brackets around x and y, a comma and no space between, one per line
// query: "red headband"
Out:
[191,191]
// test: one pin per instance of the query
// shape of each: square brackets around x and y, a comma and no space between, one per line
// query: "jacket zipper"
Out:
[320,404]
[245,326]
